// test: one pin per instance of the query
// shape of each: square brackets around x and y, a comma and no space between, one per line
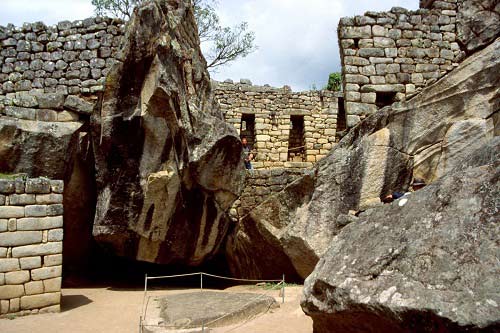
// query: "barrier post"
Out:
[283,290]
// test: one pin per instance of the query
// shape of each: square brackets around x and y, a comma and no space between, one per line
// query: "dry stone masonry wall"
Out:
[31,234]
[286,129]
[53,73]
[260,184]
[390,56]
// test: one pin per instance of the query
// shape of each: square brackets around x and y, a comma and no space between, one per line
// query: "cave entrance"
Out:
[296,147]
[247,128]
[385,98]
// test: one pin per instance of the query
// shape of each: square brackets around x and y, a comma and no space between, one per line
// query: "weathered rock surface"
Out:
[168,166]
[430,265]
[425,137]
[478,23]
[36,148]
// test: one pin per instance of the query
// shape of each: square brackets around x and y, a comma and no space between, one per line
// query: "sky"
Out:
[296,39]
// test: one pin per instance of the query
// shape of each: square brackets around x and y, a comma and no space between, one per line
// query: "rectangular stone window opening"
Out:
[247,128]
[385,98]
[341,116]
[296,146]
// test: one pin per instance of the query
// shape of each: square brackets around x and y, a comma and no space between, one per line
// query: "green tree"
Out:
[224,44]
[334,82]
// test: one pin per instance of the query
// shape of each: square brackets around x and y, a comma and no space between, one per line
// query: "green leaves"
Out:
[334,82]
[226,44]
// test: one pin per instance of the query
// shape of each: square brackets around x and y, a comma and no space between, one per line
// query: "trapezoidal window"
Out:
[296,147]
[247,128]
[385,98]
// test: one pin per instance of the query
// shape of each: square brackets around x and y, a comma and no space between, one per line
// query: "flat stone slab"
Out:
[187,312]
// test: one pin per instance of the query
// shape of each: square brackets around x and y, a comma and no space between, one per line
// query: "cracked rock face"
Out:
[430,265]
[168,166]
[478,23]
[426,137]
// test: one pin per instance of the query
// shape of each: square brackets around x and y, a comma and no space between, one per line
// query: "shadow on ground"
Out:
[71,302]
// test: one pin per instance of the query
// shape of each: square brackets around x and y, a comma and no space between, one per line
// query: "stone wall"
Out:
[260,184]
[31,234]
[389,56]
[52,73]
[273,109]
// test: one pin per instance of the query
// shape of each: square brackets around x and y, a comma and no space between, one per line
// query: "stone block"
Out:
[46,115]
[355,32]
[352,120]
[7,186]
[79,105]
[9,264]
[52,198]
[356,61]
[46,273]
[53,260]
[11,211]
[35,210]
[38,185]
[391,52]
[18,238]
[383,42]
[40,301]
[20,185]
[30,262]
[20,112]
[2,199]
[353,108]
[383,88]
[17,277]
[371,52]
[34,287]
[379,31]
[377,79]
[52,285]
[55,235]
[368,70]
[37,250]
[3,225]
[54,210]
[368,98]
[21,199]
[12,225]
[11,291]
[65,116]
[57,186]
[4,306]
[50,101]
[14,305]
[356,78]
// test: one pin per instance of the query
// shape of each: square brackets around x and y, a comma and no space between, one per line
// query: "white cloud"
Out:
[297,39]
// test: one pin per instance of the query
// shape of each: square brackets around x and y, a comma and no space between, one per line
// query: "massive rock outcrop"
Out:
[427,265]
[168,166]
[425,137]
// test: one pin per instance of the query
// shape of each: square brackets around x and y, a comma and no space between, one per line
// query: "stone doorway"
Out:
[247,128]
[296,146]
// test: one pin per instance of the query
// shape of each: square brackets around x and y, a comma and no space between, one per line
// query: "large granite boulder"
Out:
[425,263]
[425,137]
[168,166]
[478,23]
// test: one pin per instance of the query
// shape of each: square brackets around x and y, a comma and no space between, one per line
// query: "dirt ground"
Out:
[96,310]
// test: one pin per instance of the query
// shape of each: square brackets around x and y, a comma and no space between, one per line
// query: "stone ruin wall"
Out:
[273,109]
[390,56]
[262,183]
[54,73]
[31,234]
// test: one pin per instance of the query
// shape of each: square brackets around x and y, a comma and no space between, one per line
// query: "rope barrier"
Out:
[142,319]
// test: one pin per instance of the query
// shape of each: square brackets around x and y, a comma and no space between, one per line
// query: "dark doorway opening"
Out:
[341,116]
[296,147]
[385,98]
[247,128]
